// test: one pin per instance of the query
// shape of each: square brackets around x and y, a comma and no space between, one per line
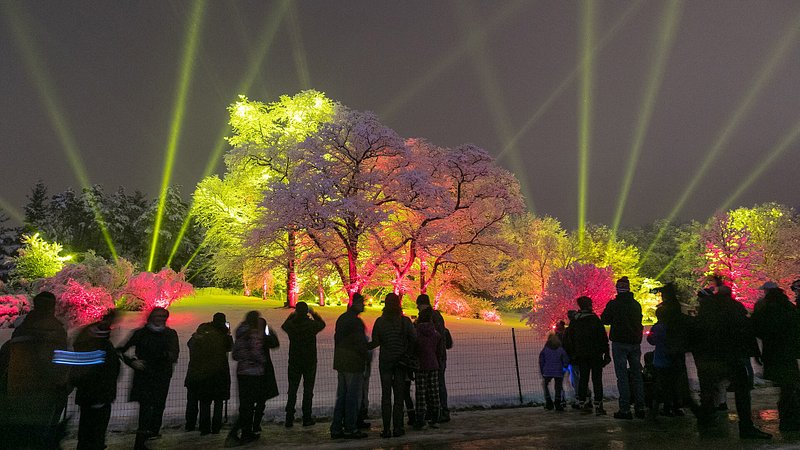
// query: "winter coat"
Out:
[624,314]
[722,330]
[677,339]
[251,351]
[31,371]
[395,336]
[159,350]
[428,348]
[302,332]
[585,339]
[775,322]
[662,358]
[553,361]
[209,375]
[96,384]
[438,323]
[350,350]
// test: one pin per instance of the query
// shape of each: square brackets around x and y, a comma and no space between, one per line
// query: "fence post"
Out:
[516,363]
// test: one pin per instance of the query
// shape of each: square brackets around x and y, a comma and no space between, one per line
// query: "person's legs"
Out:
[444,410]
[620,353]
[583,381]
[398,392]
[191,409]
[386,399]
[559,386]
[548,401]
[741,390]
[635,363]
[352,401]
[294,375]
[309,379]
[597,382]
[205,416]
[92,427]
[422,388]
[337,422]
[216,420]
[432,395]
[246,401]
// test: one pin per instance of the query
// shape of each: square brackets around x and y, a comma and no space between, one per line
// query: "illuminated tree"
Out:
[565,286]
[731,254]
[344,186]
[146,290]
[541,244]
[11,307]
[264,135]
[9,243]
[37,258]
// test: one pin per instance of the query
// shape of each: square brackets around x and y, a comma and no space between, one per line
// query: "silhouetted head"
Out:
[423,301]
[391,305]
[553,341]
[724,291]
[584,303]
[301,309]
[158,317]
[44,301]
[251,319]
[219,320]
[668,293]
[357,305]
[623,285]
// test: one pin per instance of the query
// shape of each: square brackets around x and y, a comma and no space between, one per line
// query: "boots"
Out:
[548,404]
[412,417]
[598,409]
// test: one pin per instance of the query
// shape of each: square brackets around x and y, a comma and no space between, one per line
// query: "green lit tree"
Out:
[37,259]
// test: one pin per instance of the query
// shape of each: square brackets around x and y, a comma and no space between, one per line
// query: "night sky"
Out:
[106,74]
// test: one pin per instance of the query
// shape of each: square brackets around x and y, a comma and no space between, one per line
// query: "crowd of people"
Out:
[38,373]
[722,338]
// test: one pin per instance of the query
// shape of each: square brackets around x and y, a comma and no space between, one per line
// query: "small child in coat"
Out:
[553,360]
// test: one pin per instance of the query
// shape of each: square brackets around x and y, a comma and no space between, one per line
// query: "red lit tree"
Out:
[565,286]
[731,254]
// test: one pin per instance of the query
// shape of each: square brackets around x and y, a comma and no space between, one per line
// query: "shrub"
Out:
[148,290]
[81,304]
[11,307]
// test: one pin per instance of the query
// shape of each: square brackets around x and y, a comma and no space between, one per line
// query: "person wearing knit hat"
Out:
[624,314]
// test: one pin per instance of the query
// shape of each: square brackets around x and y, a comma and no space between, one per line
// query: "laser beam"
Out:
[585,112]
[492,94]
[669,26]
[762,78]
[402,98]
[184,81]
[785,144]
[265,40]
[13,212]
[567,82]
[22,34]
[298,50]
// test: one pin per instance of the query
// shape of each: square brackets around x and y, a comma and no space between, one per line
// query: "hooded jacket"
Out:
[624,314]
[585,339]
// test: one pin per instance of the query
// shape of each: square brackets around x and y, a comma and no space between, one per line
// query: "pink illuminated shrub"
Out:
[11,307]
[81,304]
[148,290]
[565,286]
[490,315]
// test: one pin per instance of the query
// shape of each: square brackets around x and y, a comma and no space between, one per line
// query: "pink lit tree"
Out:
[731,254]
[565,286]
[11,307]
[345,186]
[149,290]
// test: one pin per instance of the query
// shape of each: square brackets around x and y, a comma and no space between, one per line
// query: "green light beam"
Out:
[567,82]
[400,100]
[490,88]
[585,112]
[266,38]
[764,75]
[44,86]
[298,49]
[669,27]
[13,212]
[208,263]
[184,81]
[785,143]
[667,267]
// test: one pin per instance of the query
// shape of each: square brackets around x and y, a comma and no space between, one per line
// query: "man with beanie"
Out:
[425,309]
[624,314]
[36,386]
[302,327]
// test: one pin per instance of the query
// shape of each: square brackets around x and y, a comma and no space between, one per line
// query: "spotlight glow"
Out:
[298,49]
[266,38]
[12,212]
[567,82]
[585,112]
[765,164]
[669,26]
[184,81]
[18,23]
[762,79]
[401,99]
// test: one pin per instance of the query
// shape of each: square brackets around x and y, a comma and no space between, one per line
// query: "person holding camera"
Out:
[302,327]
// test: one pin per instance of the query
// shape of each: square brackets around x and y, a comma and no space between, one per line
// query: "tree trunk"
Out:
[423,272]
[292,289]
[320,291]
